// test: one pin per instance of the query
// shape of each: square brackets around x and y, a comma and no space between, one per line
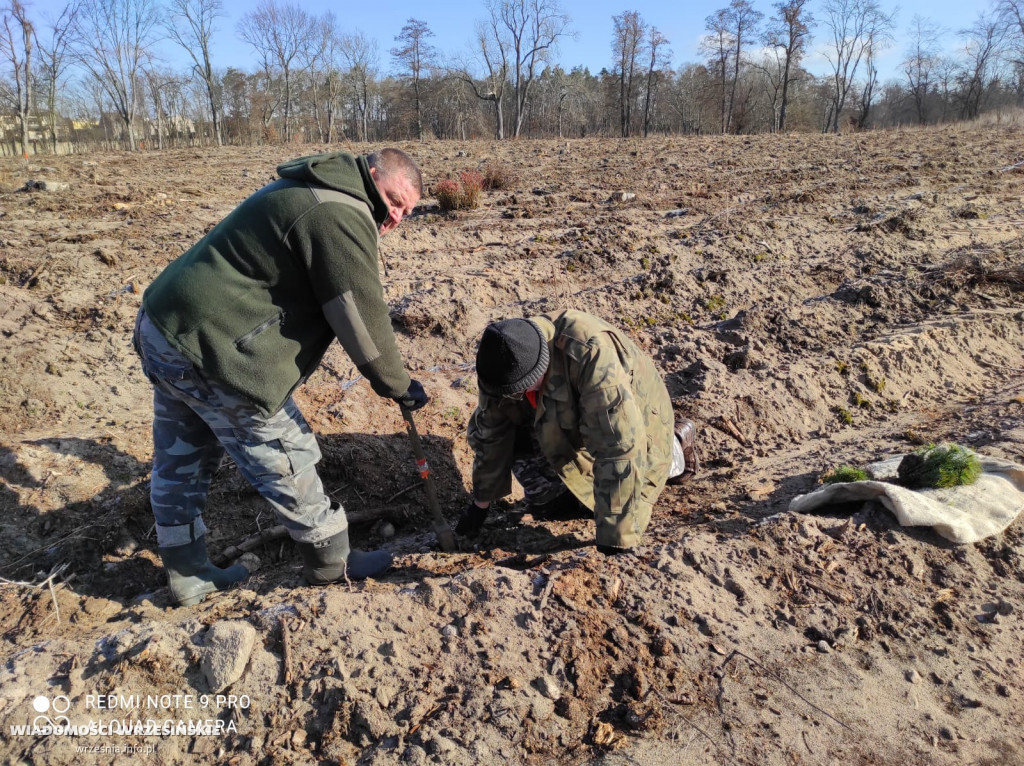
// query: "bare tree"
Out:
[16,45]
[518,37]
[413,54]
[159,83]
[333,82]
[494,55]
[920,62]
[361,55]
[628,43]
[718,46]
[878,39]
[112,41]
[788,34]
[854,25]
[946,70]
[190,25]
[534,28]
[277,33]
[314,60]
[239,104]
[660,53]
[53,61]
[694,94]
[1011,13]
[982,47]
[744,20]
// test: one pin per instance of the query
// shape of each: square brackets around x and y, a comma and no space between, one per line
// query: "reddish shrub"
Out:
[472,186]
[449,197]
[463,194]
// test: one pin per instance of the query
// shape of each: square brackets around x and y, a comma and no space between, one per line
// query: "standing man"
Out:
[579,414]
[232,327]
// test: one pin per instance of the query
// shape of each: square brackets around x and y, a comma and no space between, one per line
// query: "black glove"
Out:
[414,398]
[471,521]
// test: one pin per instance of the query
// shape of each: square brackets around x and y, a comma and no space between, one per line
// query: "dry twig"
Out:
[690,723]
[286,650]
[47,583]
[401,492]
[748,658]
[251,542]
[724,424]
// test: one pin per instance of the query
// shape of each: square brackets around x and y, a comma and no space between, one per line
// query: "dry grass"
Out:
[497,176]
[983,267]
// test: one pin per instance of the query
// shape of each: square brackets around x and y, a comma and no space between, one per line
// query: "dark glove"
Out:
[414,398]
[471,521]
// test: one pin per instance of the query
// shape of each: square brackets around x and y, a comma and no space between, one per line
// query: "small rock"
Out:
[823,647]
[126,546]
[415,755]
[1003,690]
[912,676]
[250,561]
[557,669]
[449,631]
[387,530]
[47,186]
[677,213]
[106,257]
[547,686]
[341,668]
[621,196]
[1004,608]
[228,646]
[94,606]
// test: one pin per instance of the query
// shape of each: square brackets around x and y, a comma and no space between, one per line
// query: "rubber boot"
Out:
[331,560]
[686,435]
[192,577]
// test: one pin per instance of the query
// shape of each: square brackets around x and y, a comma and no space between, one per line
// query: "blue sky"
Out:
[453,25]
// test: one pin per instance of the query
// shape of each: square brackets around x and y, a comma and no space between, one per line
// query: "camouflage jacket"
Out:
[603,419]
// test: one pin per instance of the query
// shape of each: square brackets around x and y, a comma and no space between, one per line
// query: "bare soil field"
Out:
[811,300]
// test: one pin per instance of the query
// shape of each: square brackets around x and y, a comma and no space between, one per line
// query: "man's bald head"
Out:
[393,162]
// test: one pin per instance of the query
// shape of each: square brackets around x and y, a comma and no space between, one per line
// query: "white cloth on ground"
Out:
[963,514]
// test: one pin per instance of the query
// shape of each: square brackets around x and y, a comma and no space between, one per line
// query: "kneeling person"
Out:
[569,404]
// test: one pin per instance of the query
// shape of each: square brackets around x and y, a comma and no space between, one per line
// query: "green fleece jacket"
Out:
[256,302]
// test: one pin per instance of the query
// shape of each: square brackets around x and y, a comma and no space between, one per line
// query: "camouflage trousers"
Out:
[196,421]
[540,481]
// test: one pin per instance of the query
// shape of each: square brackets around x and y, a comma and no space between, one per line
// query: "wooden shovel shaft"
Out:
[441,528]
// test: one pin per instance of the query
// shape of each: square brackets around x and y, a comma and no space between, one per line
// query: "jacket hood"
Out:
[341,171]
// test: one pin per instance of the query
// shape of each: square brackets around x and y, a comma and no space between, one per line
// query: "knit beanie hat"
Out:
[513,355]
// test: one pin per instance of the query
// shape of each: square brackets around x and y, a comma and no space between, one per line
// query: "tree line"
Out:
[91,75]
